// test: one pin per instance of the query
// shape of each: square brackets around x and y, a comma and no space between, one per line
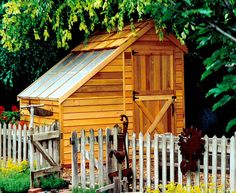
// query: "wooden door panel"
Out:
[152,76]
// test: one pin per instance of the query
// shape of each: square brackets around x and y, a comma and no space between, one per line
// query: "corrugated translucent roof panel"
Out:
[65,75]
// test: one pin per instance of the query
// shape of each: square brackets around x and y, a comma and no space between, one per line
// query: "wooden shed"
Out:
[126,72]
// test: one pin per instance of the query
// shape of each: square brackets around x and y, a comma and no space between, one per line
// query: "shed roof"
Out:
[85,61]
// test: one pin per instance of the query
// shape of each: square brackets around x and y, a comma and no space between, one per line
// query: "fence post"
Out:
[31,156]
[74,142]
[117,185]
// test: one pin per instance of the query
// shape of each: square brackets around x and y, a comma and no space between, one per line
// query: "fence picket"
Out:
[134,161]
[82,160]
[205,161]
[232,164]
[91,158]
[4,142]
[9,142]
[100,158]
[214,162]
[108,158]
[172,159]
[156,161]
[14,143]
[164,167]
[180,177]
[223,163]
[74,166]
[141,162]
[24,142]
[148,155]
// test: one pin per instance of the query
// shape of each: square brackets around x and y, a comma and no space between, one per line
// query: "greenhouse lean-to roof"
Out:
[65,75]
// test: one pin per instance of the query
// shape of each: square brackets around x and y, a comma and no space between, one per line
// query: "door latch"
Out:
[134,95]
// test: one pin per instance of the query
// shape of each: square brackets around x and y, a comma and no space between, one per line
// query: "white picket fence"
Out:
[153,161]
[13,143]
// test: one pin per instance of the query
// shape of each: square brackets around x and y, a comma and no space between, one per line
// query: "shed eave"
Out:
[36,98]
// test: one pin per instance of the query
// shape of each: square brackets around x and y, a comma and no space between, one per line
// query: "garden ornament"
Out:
[192,148]
[121,152]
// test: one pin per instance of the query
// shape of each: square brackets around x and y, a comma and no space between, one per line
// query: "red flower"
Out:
[4,118]
[2,109]
[14,109]
[22,123]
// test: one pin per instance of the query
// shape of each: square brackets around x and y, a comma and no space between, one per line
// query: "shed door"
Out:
[153,94]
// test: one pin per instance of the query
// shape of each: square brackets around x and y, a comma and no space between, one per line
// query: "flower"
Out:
[2,109]
[4,118]
[22,123]
[14,109]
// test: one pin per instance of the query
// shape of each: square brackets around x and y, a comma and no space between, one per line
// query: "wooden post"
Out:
[117,186]
[74,141]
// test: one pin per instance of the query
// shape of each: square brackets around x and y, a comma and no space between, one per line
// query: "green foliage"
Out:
[15,183]
[80,190]
[14,178]
[52,182]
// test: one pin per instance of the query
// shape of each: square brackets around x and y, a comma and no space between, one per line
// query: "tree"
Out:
[208,23]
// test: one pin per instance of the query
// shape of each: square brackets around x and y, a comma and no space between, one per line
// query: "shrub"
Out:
[52,182]
[14,178]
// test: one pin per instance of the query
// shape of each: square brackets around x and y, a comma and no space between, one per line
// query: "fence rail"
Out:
[154,160]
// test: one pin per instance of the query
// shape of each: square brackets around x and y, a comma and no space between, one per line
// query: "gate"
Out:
[44,151]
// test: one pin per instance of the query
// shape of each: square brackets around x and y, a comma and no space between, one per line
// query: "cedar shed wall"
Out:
[38,120]
[97,104]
